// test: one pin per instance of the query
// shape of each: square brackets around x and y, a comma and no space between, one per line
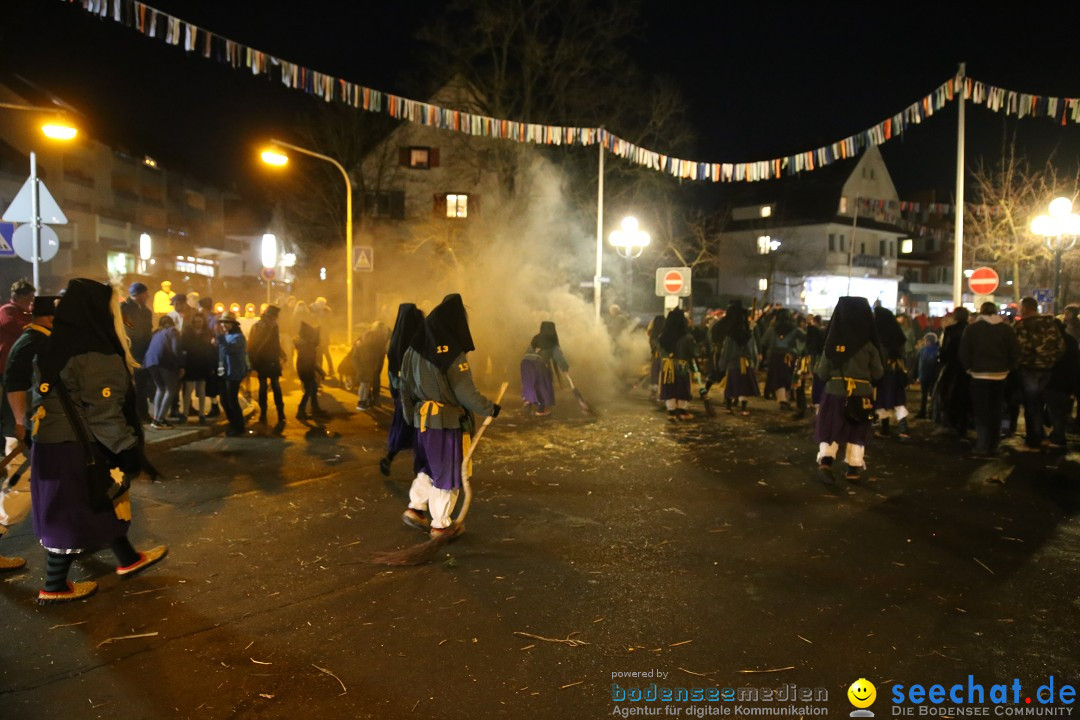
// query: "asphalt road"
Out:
[707,550]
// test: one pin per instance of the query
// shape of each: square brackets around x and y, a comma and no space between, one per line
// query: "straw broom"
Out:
[427,550]
[585,407]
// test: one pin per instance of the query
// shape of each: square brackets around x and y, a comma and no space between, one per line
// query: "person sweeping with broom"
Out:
[542,360]
[439,398]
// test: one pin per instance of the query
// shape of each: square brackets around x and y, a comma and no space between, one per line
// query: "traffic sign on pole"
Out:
[21,208]
[364,258]
[673,281]
[7,230]
[983,281]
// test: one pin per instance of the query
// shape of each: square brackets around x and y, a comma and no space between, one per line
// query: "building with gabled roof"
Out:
[805,241]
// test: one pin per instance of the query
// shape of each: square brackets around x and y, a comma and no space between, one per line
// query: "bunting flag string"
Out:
[153,23]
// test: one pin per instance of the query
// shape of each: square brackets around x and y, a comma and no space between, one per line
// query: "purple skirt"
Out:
[678,389]
[63,516]
[536,387]
[438,454]
[781,369]
[891,390]
[741,384]
[401,435]
[833,425]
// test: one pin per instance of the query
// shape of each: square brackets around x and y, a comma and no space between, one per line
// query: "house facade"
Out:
[806,241]
[112,198]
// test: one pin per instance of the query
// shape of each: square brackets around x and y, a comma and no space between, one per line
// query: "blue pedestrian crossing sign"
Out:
[7,248]
[364,259]
[1043,296]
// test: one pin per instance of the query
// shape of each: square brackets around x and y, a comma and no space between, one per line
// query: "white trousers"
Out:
[900,412]
[425,496]
[853,454]
[677,404]
[781,394]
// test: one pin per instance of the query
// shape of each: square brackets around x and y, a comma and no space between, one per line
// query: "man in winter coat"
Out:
[988,351]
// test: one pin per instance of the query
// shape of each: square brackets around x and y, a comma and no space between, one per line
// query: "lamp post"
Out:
[57,129]
[1059,230]
[269,257]
[278,159]
[629,241]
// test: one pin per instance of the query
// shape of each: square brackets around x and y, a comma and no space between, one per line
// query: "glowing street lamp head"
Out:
[269,250]
[1060,207]
[629,224]
[274,158]
[59,131]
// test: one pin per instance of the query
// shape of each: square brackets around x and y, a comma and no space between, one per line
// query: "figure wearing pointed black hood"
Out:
[849,366]
[543,361]
[738,359]
[410,320]
[676,363]
[85,409]
[438,398]
[782,345]
[891,399]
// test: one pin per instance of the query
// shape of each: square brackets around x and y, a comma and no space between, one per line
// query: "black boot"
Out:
[884,431]
[902,428]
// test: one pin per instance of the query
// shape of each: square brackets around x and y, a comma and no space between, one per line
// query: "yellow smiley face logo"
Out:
[862,693]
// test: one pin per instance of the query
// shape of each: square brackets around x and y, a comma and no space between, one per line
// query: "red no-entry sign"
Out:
[673,281]
[983,281]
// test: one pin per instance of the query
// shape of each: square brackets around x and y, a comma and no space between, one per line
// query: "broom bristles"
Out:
[417,554]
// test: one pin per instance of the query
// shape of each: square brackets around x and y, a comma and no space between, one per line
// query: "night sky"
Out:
[760,79]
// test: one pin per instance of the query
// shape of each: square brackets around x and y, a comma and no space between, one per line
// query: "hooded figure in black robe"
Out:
[410,320]
[438,398]
[86,428]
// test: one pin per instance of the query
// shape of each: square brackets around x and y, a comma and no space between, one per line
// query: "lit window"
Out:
[843,205]
[907,246]
[457,206]
[419,157]
[766,245]
[763,284]
[766,210]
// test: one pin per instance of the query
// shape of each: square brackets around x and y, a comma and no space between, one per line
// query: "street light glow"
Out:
[59,131]
[275,158]
[629,235]
[1060,207]
[145,250]
[269,250]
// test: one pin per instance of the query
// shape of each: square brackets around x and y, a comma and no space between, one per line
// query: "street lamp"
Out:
[56,129]
[269,256]
[275,158]
[629,241]
[1059,230]
[145,252]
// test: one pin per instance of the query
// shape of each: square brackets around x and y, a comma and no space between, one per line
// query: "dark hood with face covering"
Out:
[675,327]
[851,327]
[409,321]
[736,324]
[83,323]
[445,333]
[547,338]
[889,332]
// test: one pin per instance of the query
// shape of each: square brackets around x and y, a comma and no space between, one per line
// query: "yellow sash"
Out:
[667,369]
[429,408]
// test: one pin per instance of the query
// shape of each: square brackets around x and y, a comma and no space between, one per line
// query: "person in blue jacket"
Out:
[232,369]
[164,361]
